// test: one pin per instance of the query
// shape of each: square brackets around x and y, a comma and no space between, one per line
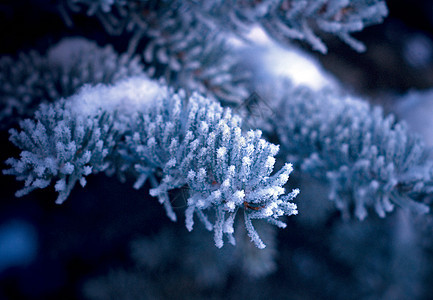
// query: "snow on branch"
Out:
[143,127]
[188,42]
[179,47]
[32,78]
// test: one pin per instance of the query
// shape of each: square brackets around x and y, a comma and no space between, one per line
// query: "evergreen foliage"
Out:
[141,125]
[368,160]
[186,114]
[282,19]
[32,78]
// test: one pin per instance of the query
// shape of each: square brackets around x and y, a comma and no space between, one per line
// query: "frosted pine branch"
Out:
[143,127]
[185,51]
[201,145]
[74,137]
[301,20]
[284,20]
[187,40]
[369,160]
[33,78]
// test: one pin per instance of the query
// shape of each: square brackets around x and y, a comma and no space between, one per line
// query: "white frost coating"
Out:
[368,159]
[226,183]
[60,185]
[246,161]
[171,163]
[270,161]
[142,127]
[68,168]
[231,206]
[127,96]
[239,196]
[221,152]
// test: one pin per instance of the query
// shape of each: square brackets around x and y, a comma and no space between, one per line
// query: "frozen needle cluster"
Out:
[368,159]
[142,127]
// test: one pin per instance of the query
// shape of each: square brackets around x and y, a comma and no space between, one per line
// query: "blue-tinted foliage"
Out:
[174,140]
[282,19]
[141,126]
[32,78]
[368,160]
